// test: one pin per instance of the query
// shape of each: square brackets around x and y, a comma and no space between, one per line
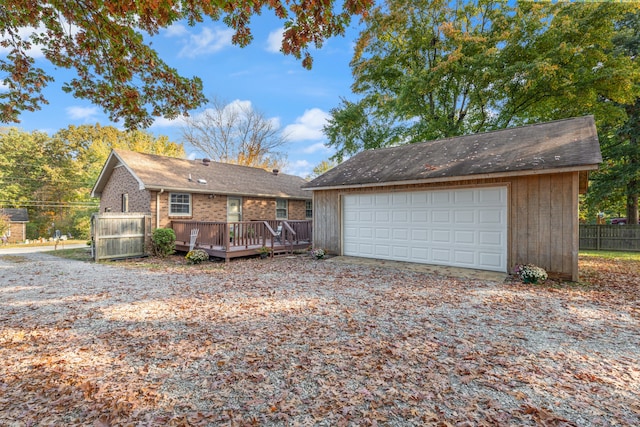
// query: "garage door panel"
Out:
[463,257]
[440,198]
[401,252]
[466,227]
[491,261]
[441,236]
[420,216]
[401,199]
[491,238]
[464,217]
[400,234]
[419,235]
[464,237]
[400,216]
[490,216]
[440,217]
[441,255]
[383,233]
[492,196]
[463,197]
[382,250]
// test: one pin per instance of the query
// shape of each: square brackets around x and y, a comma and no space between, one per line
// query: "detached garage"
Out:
[487,201]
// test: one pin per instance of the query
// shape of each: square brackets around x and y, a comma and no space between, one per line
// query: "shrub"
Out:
[318,253]
[197,256]
[530,273]
[163,242]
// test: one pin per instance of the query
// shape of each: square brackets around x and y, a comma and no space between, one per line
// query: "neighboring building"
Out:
[169,189]
[18,219]
[487,201]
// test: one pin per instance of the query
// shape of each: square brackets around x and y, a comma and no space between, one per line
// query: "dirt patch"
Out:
[295,341]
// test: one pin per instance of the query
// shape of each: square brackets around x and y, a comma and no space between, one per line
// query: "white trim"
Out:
[174,214]
[457,178]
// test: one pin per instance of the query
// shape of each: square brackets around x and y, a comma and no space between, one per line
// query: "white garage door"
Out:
[462,228]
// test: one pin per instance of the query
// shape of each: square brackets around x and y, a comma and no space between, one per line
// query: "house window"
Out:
[180,204]
[125,202]
[282,209]
[308,208]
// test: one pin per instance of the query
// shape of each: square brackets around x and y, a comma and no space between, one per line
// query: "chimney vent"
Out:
[275,171]
[206,161]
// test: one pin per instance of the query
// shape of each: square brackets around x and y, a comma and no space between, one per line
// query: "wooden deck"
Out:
[240,239]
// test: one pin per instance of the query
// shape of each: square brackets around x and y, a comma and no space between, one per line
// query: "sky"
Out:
[277,85]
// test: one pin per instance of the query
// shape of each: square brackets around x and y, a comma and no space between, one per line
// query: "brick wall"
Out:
[17,233]
[256,209]
[297,210]
[122,182]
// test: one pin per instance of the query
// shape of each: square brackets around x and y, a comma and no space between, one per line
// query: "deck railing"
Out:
[231,236]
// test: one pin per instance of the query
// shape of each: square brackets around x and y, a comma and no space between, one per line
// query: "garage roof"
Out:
[558,146]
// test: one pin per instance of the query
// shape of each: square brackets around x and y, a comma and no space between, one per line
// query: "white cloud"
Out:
[207,42]
[317,147]
[300,168]
[309,126]
[176,30]
[3,87]
[25,33]
[161,122]
[82,113]
[274,41]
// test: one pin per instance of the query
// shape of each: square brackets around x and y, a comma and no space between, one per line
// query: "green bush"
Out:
[163,242]
[197,256]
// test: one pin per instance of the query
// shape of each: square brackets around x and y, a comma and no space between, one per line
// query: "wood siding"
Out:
[543,218]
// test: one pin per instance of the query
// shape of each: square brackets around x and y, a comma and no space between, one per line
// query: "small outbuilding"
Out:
[488,201]
[18,219]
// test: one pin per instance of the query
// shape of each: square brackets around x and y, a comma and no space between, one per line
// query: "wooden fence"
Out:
[610,237]
[119,235]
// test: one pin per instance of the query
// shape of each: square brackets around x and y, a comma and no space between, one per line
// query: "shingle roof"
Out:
[16,214]
[155,172]
[570,144]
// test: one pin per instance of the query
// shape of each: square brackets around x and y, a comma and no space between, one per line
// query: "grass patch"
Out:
[615,255]
[78,254]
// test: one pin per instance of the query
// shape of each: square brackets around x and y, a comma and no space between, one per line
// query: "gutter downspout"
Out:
[158,207]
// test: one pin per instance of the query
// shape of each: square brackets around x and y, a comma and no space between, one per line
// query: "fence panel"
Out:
[119,235]
[610,237]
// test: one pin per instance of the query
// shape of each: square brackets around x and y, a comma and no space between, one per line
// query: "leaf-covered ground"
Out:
[314,343]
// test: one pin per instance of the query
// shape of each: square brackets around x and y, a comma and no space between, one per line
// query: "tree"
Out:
[618,180]
[116,68]
[433,69]
[5,223]
[52,176]
[236,133]
[321,168]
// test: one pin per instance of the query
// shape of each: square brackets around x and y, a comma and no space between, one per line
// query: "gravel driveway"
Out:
[295,341]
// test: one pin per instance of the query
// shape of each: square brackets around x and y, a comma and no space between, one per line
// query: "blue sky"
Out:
[297,99]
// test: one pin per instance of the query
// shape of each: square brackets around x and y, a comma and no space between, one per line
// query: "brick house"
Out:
[18,219]
[170,189]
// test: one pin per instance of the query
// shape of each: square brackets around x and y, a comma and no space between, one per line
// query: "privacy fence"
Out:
[119,235]
[610,237]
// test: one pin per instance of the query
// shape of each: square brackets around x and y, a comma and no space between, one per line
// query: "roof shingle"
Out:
[16,214]
[161,172]
[562,144]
